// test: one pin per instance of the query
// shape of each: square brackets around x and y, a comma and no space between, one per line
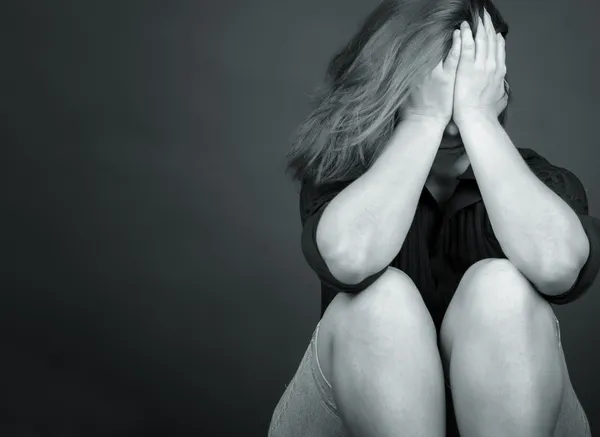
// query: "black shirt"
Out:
[441,245]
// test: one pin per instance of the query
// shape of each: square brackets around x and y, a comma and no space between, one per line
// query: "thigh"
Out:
[571,422]
[306,407]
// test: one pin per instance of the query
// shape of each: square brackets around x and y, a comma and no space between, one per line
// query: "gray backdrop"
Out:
[154,283]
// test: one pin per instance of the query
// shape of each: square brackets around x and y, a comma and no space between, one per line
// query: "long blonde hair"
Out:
[357,109]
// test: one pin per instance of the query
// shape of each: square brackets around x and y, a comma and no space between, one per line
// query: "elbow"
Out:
[346,269]
[345,263]
[561,276]
[560,273]
[557,282]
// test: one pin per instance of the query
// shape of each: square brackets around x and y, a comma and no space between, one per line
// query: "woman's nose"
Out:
[451,129]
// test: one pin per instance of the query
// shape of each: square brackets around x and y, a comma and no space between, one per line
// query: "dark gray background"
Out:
[153,281]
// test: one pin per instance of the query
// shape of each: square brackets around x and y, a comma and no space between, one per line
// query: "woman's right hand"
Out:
[433,97]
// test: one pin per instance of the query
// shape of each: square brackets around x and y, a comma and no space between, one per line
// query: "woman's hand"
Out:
[432,98]
[479,88]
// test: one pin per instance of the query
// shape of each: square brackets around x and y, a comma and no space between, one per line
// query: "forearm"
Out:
[364,226]
[539,233]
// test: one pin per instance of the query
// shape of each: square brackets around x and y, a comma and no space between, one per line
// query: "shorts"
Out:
[307,406]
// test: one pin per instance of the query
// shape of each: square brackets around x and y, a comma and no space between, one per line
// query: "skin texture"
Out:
[501,354]
[433,96]
[473,92]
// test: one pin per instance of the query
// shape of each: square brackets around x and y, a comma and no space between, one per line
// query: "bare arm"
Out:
[539,233]
[364,226]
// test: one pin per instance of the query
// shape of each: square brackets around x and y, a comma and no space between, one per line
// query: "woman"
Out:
[438,243]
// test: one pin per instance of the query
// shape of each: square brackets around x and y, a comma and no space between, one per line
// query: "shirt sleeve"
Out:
[313,201]
[571,190]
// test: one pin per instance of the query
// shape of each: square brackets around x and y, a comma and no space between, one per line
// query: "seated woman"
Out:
[438,243]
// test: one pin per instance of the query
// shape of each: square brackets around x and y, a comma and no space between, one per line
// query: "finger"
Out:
[467,49]
[439,68]
[480,43]
[491,39]
[500,54]
[500,57]
[453,57]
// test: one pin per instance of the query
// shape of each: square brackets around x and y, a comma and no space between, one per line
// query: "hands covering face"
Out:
[479,84]
[470,81]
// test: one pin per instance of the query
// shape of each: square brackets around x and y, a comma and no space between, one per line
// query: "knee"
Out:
[393,302]
[381,319]
[392,305]
[494,291]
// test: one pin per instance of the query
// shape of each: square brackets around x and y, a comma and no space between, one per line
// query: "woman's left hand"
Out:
[479,87]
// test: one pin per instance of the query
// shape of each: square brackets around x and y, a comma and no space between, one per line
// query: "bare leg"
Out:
[379,351]
[500,344]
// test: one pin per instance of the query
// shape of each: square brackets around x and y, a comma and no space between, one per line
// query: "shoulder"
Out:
[544,168]
[533,158]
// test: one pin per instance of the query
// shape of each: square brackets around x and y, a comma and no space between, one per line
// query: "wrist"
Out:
[468,116]
[437,123]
